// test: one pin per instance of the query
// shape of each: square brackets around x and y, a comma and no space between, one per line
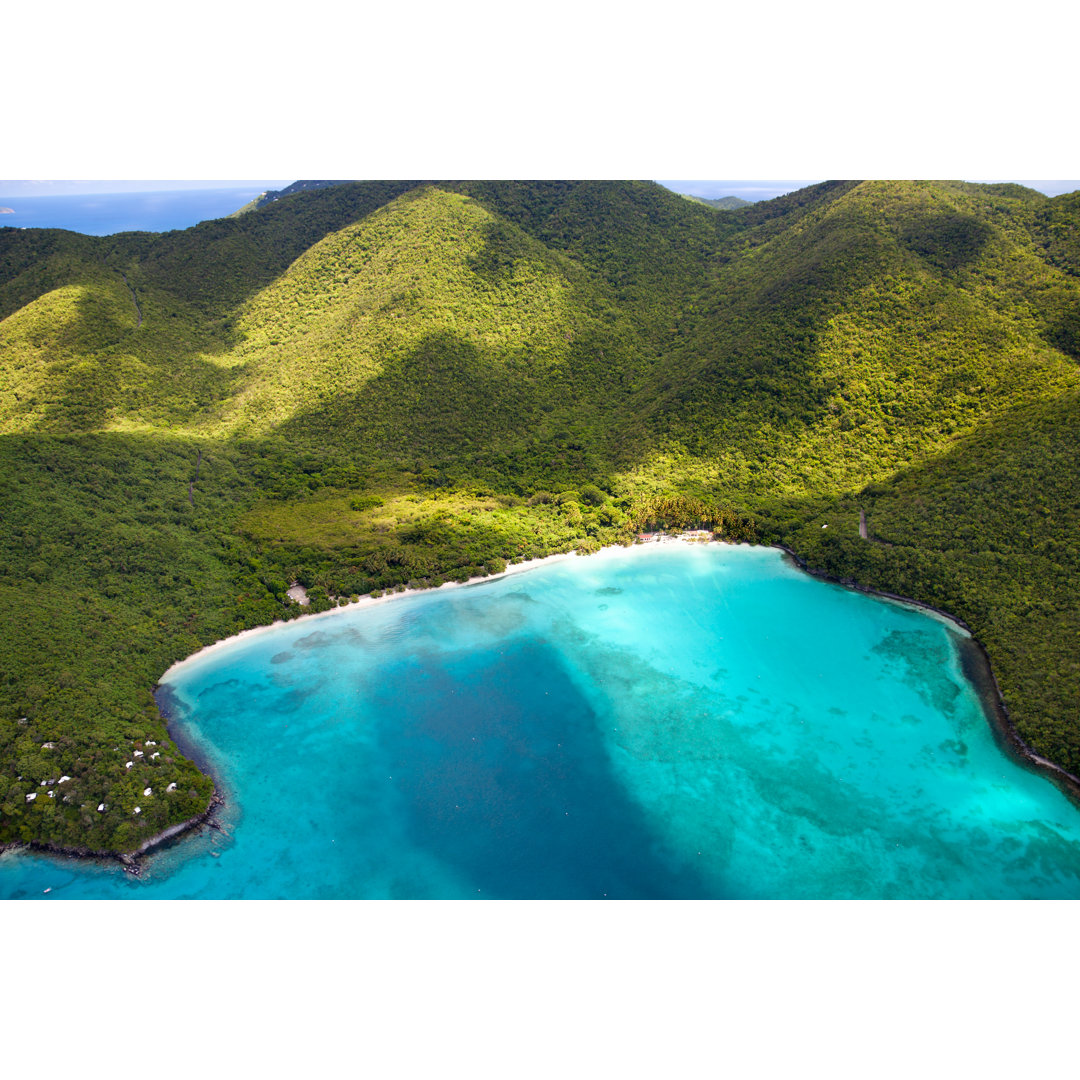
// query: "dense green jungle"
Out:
[368,386]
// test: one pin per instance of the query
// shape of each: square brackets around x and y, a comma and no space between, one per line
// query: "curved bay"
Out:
[663,721]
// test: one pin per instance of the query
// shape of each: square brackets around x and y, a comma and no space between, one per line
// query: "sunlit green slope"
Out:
[430,321]
[870,334]
[372,384]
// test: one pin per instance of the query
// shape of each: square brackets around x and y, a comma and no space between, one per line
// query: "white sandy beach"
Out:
[368,601]
[689,538]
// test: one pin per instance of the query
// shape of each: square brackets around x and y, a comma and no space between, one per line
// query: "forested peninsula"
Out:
[367,386]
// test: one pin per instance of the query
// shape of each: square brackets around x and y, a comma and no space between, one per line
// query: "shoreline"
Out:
[977,667]
[129,860]
[975,662]
[163,693]
[390,595]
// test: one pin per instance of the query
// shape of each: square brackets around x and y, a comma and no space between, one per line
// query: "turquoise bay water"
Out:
[657,722]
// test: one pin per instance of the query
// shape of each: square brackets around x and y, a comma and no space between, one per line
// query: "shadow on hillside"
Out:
[103,366]
[987,532]
[502,247]
[446,396]
[1064,333]
[947,241]
[218,265]
[492,415]
[1012,486]
[214,268]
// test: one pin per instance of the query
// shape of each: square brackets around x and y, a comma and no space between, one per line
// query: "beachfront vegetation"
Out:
[368,386]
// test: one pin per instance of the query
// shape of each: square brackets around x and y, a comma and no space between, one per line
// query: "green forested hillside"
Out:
[378,384]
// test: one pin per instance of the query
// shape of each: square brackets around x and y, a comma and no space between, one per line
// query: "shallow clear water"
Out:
[662,721]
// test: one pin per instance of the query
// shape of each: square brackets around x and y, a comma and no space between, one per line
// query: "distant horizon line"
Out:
[706,189]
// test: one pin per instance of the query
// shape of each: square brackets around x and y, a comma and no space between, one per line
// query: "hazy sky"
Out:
[104,187]
[751,190]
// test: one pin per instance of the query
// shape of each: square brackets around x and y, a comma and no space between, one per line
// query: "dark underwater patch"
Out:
[504,774]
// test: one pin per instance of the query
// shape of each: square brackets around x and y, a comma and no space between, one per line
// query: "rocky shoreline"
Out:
[977,667]
[974,660]
[128,859]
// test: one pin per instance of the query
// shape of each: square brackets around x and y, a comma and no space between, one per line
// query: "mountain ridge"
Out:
[370,384]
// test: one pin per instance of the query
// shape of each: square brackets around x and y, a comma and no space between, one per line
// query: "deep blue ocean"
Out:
[100,215]
[664,721]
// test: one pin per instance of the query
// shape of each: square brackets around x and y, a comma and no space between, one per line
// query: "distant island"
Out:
[268,197]
[726,202]
[360,387]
